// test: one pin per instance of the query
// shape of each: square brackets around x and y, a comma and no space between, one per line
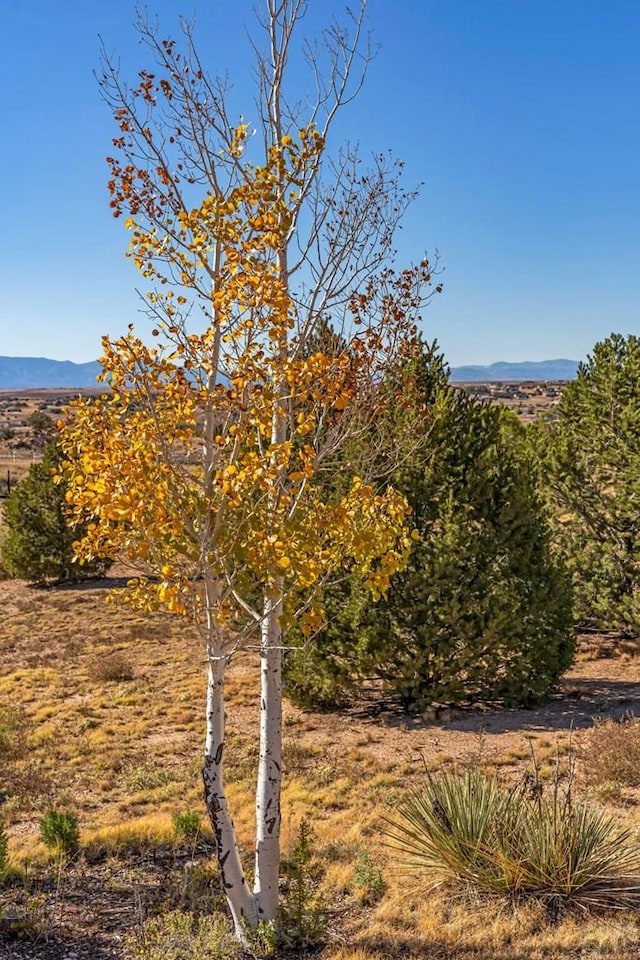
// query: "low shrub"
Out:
[301,918]
[22,776]
[612,753]
[518,842]
[368,880]
[60,831]
[181,936]
[199,889]
[186,824]
[116,667]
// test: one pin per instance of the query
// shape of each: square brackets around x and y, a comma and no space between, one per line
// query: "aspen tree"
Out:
[201,466]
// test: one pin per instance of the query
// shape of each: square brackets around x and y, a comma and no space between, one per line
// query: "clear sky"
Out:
[522,117]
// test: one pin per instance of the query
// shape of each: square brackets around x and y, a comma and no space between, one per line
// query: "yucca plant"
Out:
[518,842]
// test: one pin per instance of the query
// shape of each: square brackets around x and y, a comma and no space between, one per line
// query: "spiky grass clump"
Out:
[518,842]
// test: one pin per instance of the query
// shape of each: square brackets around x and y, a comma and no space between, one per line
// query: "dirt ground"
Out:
[49,640]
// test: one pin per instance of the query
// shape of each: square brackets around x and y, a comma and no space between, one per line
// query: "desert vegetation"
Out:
[78,736]
[342,595]
[36,539]
[482,609]
[442,825]
[589,469]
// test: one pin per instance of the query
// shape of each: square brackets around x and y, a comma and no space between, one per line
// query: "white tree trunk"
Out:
[267,865]
[241,902]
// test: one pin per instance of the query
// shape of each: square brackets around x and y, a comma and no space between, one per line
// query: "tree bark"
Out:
[241,902]
[267,864]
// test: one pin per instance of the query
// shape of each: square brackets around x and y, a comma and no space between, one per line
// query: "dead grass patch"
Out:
[115,667]
[611,754]
[126,753]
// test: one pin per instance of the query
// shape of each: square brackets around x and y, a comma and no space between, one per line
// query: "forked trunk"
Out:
[267,865]
[242,903]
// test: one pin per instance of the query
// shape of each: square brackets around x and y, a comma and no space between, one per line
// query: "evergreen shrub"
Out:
[37,540]
[590,471]
[60,831]
[483,609]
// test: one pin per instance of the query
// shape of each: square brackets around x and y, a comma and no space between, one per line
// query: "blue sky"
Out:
[522,119]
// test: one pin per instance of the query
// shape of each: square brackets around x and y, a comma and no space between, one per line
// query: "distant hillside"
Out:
[543,370]
[38,373]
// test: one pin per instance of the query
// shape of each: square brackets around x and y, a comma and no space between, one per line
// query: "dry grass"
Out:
[112,667]
[612,753]
[122,749]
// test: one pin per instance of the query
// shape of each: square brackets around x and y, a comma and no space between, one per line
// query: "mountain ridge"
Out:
[558,369]
[40,373]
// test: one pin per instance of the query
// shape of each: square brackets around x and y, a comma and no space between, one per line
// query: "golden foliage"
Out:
[202,462]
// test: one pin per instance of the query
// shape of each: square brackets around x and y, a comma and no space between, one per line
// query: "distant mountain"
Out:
[23,373]
[543,370]
[39,373]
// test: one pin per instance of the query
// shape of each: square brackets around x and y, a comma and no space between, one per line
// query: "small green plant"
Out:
[181,936]
[262,940]
[368,880]
[301,919]
[518,842]
[186,824]
[60,832]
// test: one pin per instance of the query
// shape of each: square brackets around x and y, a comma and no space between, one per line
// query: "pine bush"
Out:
[60,831]
[590,470]
[483,609]
[37,540]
